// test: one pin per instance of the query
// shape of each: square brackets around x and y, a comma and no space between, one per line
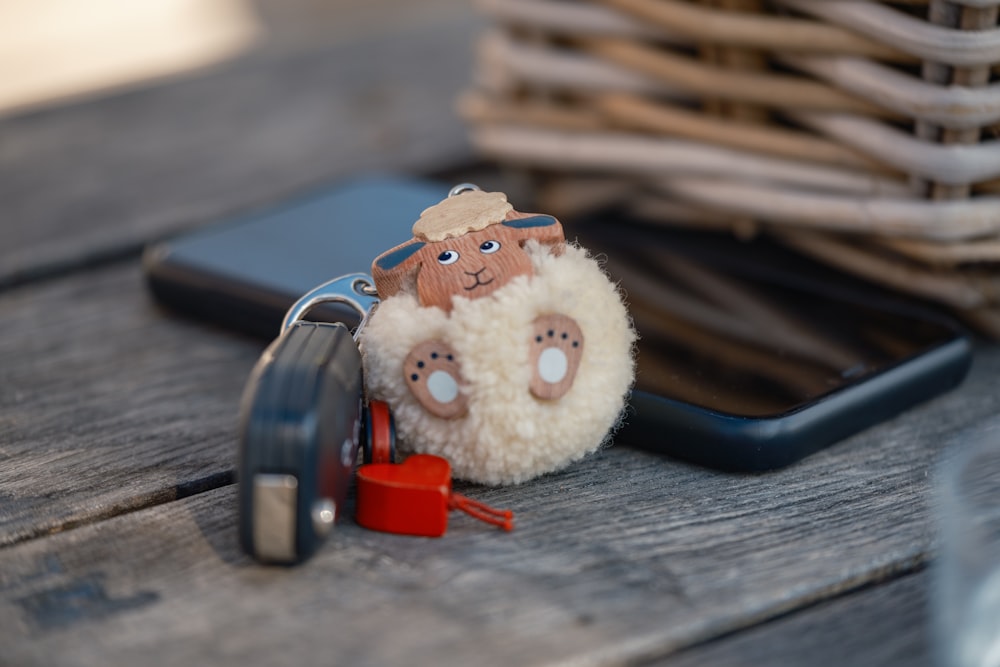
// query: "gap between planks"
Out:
[162,497]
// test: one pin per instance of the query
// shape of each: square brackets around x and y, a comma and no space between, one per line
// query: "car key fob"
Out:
[301,421]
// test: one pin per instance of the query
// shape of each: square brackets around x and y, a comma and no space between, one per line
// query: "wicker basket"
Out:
[860,132]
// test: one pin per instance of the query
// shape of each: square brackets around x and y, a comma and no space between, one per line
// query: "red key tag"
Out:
[413,498]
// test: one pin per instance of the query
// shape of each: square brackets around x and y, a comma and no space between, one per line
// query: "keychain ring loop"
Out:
[357,290]
[463,187]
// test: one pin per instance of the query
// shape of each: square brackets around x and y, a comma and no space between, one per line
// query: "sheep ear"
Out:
[391,267]
[543,228]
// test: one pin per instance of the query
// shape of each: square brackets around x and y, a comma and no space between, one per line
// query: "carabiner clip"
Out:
[356,290]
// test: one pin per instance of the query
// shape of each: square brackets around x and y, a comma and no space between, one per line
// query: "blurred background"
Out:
[124,122]
[860,134]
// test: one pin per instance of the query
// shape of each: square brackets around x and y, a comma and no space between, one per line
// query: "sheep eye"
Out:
[448,257]
[489,246]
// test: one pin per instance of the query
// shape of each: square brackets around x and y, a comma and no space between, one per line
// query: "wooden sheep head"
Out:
[469,245]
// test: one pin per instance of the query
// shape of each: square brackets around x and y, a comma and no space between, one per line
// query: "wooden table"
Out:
[117,431]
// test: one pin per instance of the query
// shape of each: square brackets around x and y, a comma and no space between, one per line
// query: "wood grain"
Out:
[624,556]
[96,180]
[886,625]
[427,358]
[108,404]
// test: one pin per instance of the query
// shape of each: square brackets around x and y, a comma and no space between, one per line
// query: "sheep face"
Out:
[471,264]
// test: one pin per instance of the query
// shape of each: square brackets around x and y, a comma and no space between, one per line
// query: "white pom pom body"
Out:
[508,435]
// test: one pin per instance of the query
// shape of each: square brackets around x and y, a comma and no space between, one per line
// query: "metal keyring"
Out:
[463,187]
[355,289]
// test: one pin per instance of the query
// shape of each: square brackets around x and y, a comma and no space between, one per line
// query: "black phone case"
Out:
[754,444]
[300,430]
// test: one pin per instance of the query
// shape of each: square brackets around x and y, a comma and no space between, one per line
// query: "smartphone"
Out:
[244,274]
[750,356]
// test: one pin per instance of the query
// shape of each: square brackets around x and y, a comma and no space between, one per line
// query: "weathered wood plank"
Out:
[97,179]
[168,584]
[887,626]
[107,403]
[624,556]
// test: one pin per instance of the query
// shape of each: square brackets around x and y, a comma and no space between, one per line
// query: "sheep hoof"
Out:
[556,349]
[433,374]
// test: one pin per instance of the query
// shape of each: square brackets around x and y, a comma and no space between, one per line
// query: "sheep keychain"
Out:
[497,345]
[501,352]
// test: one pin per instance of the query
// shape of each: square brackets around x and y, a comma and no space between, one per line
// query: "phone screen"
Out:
[245,274]
[749,328]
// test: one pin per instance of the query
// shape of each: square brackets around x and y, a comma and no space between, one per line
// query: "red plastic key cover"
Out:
[409,498]
[380,423]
